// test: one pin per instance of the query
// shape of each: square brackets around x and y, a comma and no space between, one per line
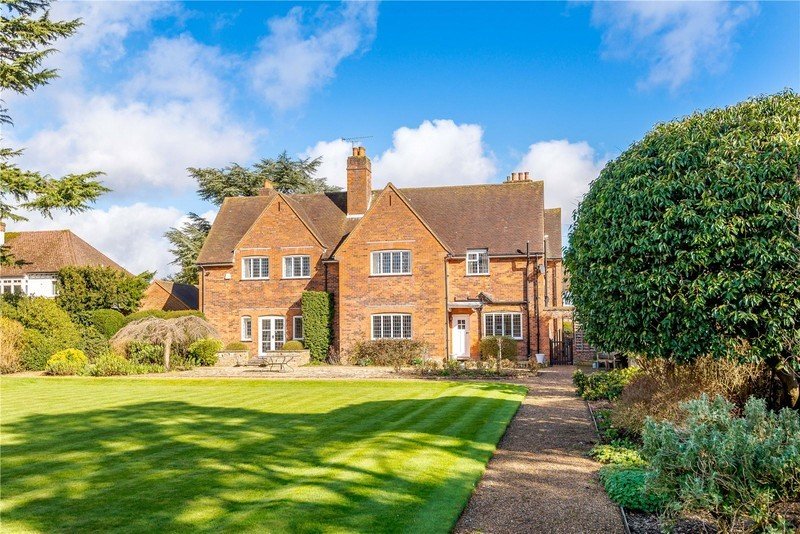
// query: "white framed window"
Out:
[391,262]
[297,327]
[15,286]
[255,268]
[477,262]
[391,326]
[247,328]
[297,267]
[503,324]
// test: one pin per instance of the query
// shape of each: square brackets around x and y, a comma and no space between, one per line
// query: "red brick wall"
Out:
[278,232]
[391,225]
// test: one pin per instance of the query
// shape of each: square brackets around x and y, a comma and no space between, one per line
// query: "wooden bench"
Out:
[273,362]
[607,360]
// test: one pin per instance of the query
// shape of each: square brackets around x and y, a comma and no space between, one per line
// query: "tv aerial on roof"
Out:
[356,141]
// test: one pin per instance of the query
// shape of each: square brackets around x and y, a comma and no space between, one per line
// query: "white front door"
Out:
[460,336]
[272,333]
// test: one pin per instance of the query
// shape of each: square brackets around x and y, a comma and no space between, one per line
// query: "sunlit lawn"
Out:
[89,454]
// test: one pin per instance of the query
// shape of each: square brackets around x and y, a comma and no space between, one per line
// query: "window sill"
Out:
[478,274]
[296,278]
[253,279]
[376,275]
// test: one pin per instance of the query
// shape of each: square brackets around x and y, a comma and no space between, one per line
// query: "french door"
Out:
[272,333]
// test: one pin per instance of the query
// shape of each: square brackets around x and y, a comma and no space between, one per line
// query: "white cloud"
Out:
[106,26]
[438,152]
[566,168]
[675,38]
[137,145]
[133,236]
[299,56]
[334,160]
[170,115]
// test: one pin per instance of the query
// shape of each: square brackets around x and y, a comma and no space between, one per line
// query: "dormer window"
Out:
[389,262]
[477,262]
[297,267]
[255,268]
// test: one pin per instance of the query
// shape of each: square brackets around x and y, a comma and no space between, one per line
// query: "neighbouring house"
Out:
[446,265]
[170,296]
[37,257]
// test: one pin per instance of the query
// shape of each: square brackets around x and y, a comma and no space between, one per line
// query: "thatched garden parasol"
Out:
[176,333]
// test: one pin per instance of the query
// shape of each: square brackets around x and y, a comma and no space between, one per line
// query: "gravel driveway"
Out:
[540,479]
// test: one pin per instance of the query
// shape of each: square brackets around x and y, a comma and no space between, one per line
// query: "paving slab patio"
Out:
[540,479]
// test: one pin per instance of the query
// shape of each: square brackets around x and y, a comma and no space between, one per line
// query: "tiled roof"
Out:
[235,217]
[186,293]
[552,229]
[500,217]
[48,251]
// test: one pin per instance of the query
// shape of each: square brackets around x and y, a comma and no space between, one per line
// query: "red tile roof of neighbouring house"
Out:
[47,251]
[500,217]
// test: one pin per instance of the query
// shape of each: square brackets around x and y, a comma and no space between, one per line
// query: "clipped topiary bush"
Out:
[67,362]
[203,352]
[317,309]
[37,348]
[107,322]
[491,346]
[293,345]
[236,346]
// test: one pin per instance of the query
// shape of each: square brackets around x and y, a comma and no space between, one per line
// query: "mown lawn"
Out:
[89,454]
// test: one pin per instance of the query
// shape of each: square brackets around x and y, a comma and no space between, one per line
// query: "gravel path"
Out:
[540,479]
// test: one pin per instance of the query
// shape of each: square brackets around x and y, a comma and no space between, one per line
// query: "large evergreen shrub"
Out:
[687,244]
[317,309]
[84,289]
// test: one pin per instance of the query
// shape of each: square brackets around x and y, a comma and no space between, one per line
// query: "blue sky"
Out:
[449,93]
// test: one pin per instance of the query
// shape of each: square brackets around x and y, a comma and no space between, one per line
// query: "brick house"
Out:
[447,265]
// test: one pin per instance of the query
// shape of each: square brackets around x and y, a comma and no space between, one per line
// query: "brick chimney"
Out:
[359,182]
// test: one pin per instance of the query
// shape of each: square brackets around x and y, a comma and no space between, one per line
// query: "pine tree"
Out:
[187,240]
[26,37]
[287,175]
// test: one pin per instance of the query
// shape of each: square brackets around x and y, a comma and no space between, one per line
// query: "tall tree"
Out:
[688,243]
[286,175]
[186,241]
[26,37]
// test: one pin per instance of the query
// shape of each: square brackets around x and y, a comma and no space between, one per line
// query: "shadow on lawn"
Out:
[179,466]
